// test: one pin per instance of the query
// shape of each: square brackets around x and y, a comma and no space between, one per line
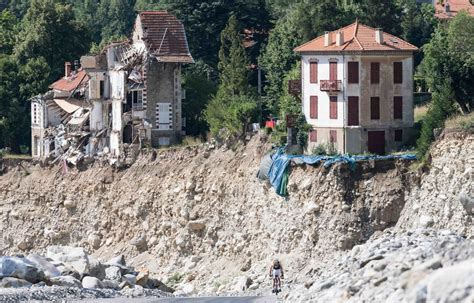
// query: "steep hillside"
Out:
[199,218]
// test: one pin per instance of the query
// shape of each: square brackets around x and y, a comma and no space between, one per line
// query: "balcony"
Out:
[331,85]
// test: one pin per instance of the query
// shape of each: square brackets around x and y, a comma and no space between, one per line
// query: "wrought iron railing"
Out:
[331,85]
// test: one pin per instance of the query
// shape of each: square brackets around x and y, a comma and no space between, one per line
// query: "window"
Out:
[353,110]
[397,107]
[332,70]
[164,116]
[313,136]
[375,108]
[135,98]
[398,135]
[35,113]
[313,72]
[353,72]
[333,107]
[101,88]
[332,136]
[375,72]
[313,107]
[397,72]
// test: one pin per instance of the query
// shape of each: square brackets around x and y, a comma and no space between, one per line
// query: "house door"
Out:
[376,142]
[353,111]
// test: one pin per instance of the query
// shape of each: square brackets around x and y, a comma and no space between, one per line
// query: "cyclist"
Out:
[276,272]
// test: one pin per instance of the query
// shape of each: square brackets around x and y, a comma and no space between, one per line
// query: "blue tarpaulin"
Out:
[279,169]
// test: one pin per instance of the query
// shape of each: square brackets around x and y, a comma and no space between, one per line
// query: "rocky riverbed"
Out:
[70,273]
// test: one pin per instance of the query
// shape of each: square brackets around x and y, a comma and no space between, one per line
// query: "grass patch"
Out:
[465,122]
[16,156]
[420,112]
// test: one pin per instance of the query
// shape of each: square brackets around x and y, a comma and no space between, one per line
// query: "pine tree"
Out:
[234,105]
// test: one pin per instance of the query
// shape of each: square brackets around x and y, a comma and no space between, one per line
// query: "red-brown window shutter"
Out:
[397,72]
[333,70]
[397,107]
[353,110]
[313,72]
[313,135]
[374,72]
[398,135]
[313,107]
[332,136]
[353,72]
[374,108]
[333,107]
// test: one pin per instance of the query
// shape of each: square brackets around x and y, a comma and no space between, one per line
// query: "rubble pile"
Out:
[72,267]
[423,265]
[198,218]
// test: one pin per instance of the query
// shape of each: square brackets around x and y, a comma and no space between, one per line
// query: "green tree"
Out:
[115,17]
[234,105]
[142,5]
[278,58]
[205,20]
[199,90]
[385,14]
[449,60]
[8,24]
[49,30]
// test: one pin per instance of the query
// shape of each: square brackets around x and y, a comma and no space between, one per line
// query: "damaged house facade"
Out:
[119,101]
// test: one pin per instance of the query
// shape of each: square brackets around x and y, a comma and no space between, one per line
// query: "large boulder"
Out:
[66,269]
[45,265]
[451,284]
[113,273]
[91,282]
[14,283]
[157,284]
[96,268]
[74,256]
[20,268]
[467,202]
[66,281]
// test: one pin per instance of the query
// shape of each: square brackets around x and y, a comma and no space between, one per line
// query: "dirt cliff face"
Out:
[198,215]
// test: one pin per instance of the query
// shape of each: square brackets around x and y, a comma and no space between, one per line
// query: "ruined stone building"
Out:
[127,97]
[357,89]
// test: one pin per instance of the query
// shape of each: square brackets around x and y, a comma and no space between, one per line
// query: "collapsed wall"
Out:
[197,212]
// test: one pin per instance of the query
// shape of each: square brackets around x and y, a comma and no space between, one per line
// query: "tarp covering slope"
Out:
[280,170]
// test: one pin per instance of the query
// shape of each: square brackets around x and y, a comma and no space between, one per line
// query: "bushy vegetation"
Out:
[448,67]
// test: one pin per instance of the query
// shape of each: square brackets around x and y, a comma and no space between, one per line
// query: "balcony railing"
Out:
[331,85]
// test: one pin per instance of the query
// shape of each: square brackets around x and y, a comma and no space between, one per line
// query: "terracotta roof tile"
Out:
[68,84]
[455,6]
[357,37]
[165,35]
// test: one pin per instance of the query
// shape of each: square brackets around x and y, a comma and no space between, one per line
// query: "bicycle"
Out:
[276,284]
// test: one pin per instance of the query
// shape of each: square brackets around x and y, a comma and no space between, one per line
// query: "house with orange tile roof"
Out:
[357,89]
[448,9]
[117,101]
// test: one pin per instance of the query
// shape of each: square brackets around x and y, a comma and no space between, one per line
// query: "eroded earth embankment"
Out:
[198,218]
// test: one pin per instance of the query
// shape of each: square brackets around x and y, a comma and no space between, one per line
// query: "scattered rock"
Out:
[467,202]
[9,282]
[43,264]
[66,281]
[113,273]
[74,256]
[196,225]
[91,282]
[69,203]
[20,268]
[140,243]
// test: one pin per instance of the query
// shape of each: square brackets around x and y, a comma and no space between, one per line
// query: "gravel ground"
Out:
[59,294]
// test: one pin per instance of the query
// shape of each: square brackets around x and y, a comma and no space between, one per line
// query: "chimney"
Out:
[327,39]
[379,35]
[447,8]
[67,69]
[339,38]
